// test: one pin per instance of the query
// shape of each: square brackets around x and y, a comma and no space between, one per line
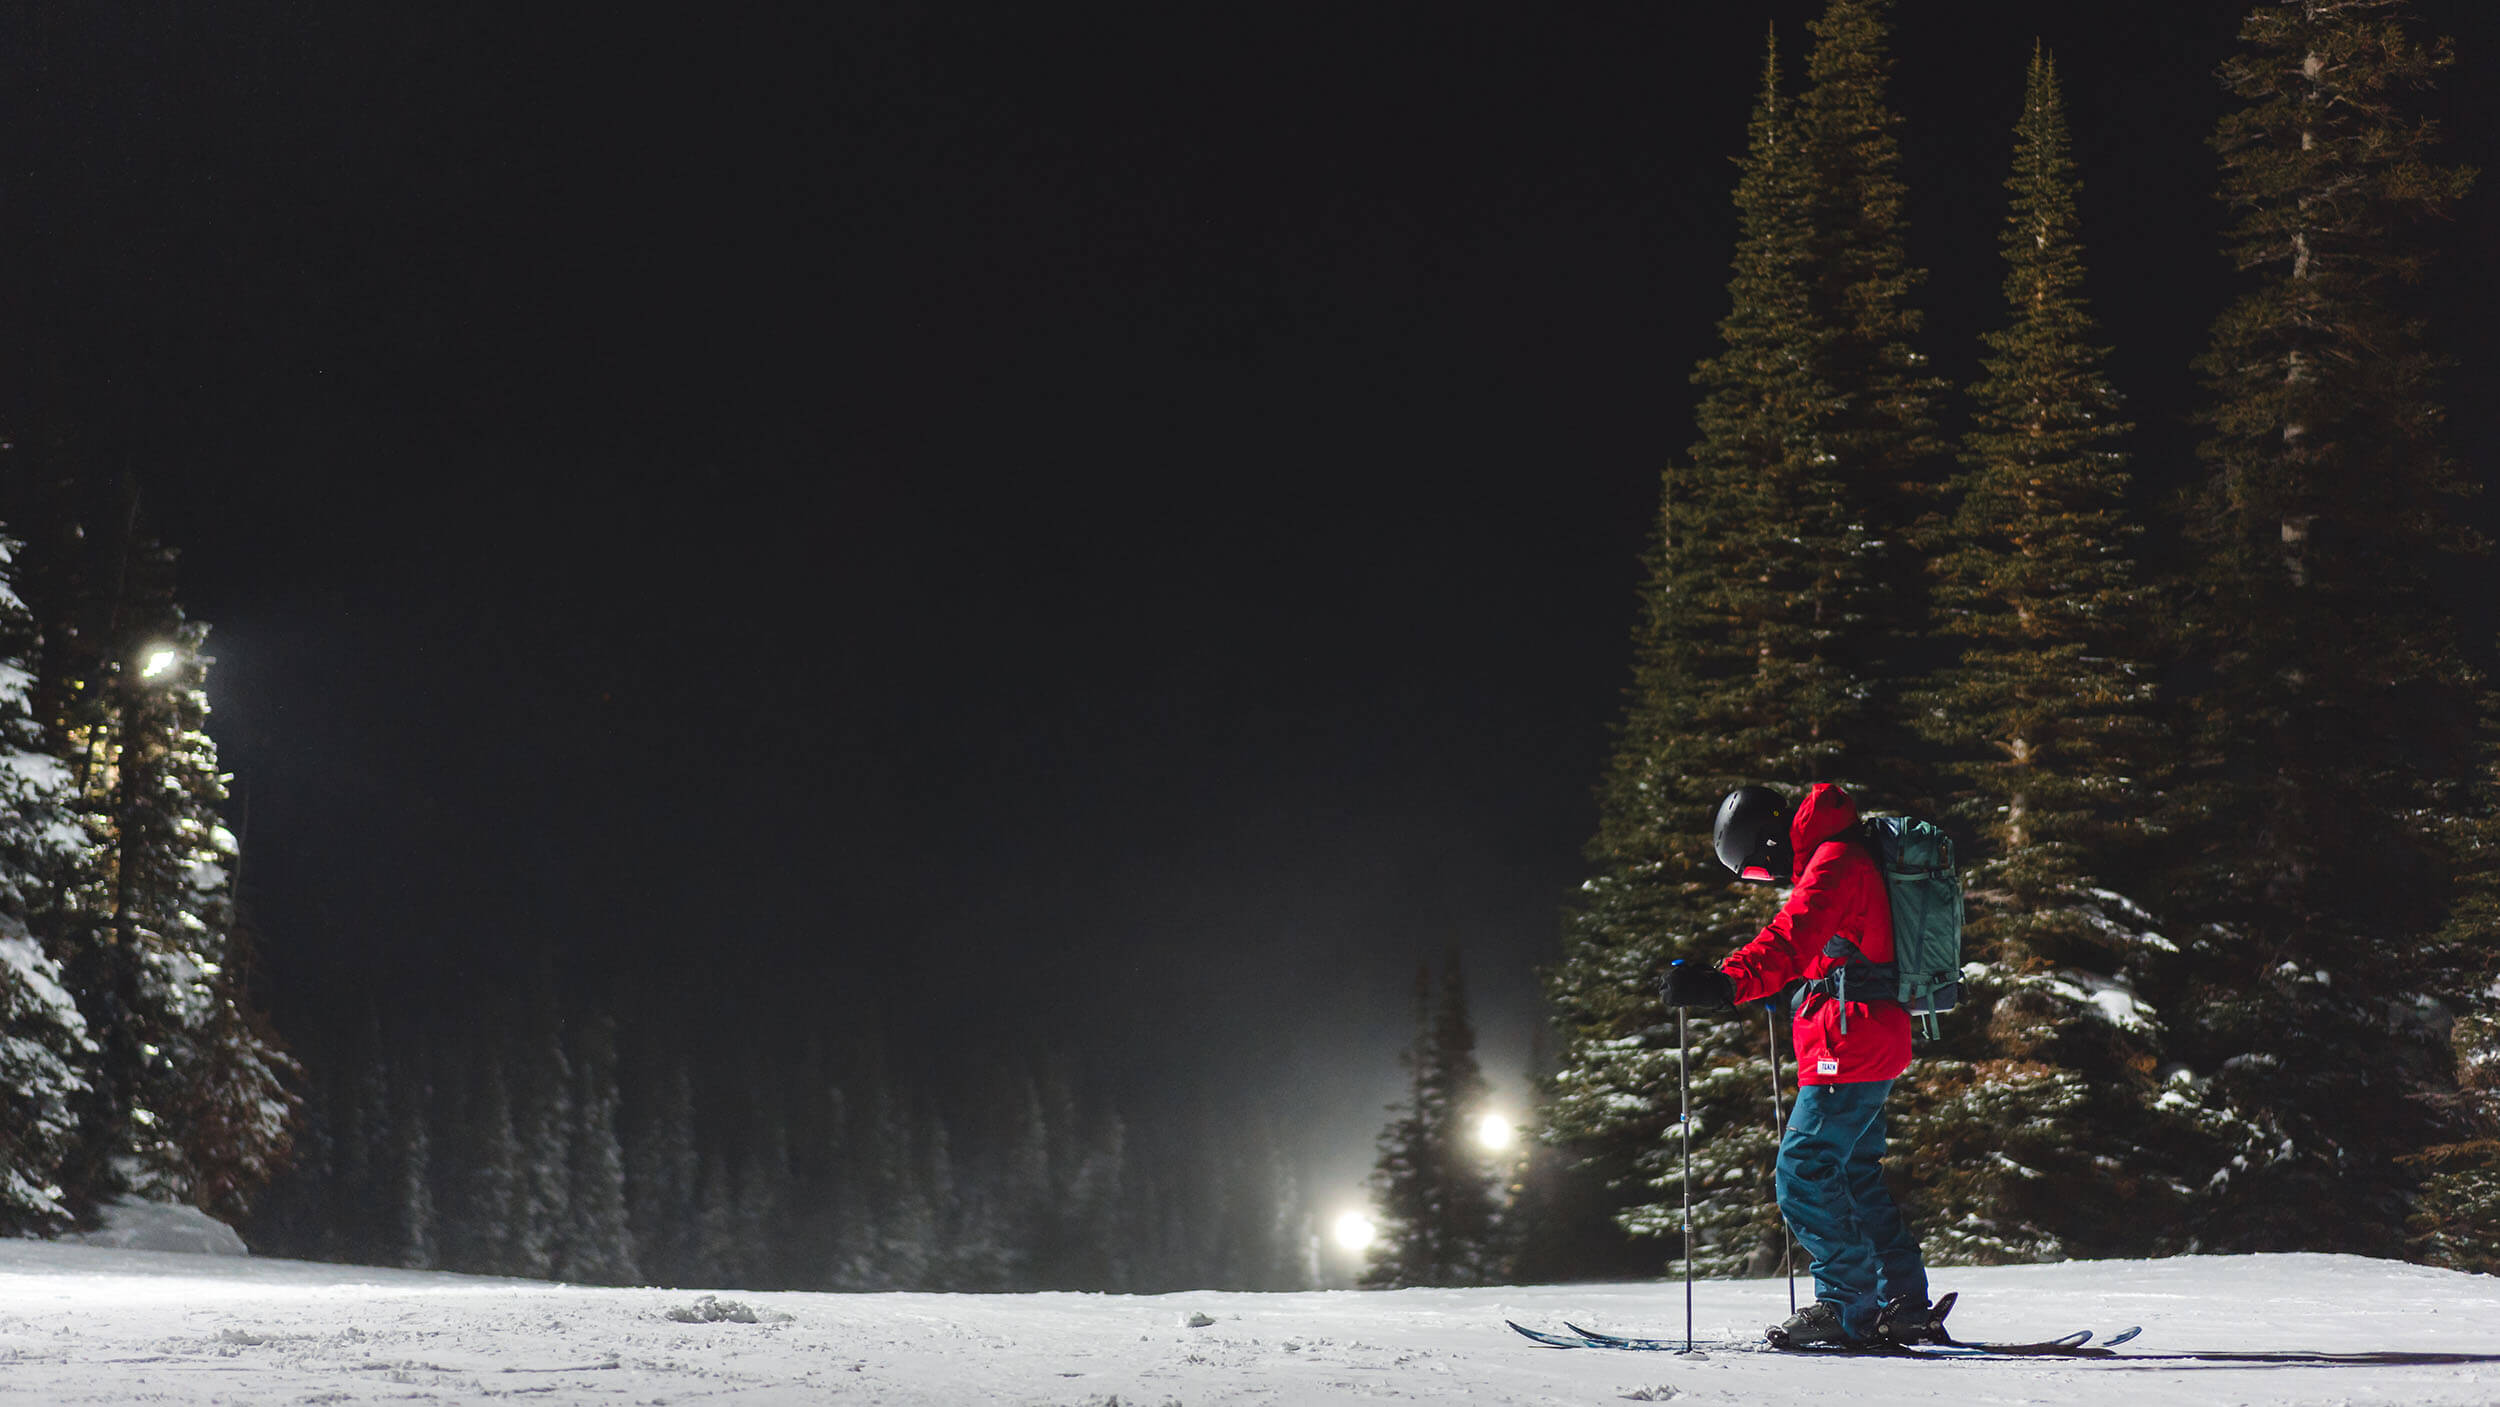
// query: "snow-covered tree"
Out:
[764,1207]
[544,1126]
[45,1049]
[485,1207]
[918,1237]
[662,1165]
[719,1256]
[409,1192]
[597,1246]
[153,904]
[188,1099]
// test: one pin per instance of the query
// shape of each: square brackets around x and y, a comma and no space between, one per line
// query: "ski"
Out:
[2071,1347]
[1551,1340]
[2074,1345]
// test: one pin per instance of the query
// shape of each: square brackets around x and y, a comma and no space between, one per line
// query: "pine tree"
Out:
[903,1207]
[2336,724]
[292,1218]
[719,1256]
[45,1049]
[1020,1188]
[486,1216]
[1755,577]
[188,1100]
[1088,1179]
[236,1105]
[763,1204]
[2030,1129]
[1436,1191]
[1291,1236]
[364,1192]
[663,1166]
[1879,434]
[598,1245]
[2456,1222]
[409,1193]
[924,1223]
[1260,1225]
[544,1126]
[813,1242]
[214,1076]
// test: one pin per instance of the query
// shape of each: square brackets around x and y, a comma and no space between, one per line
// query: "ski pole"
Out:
[1684,1133]
[1779,1130]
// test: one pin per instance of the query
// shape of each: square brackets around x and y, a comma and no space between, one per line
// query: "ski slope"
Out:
[80,1324]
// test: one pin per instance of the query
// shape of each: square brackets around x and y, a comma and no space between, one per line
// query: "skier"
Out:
[1870,1282]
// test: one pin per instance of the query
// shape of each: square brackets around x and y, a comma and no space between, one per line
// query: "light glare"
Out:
[159,661]
[1494,1132]
[1354,1231]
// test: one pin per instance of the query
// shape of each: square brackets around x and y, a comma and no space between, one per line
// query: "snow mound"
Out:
[712,1309]
[133,1225]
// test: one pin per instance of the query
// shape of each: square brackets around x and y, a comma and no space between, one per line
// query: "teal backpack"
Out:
[1925,973]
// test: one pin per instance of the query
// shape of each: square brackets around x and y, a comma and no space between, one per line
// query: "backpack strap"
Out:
[1875,981]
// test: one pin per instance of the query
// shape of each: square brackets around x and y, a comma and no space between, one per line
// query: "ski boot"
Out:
[1811,1327]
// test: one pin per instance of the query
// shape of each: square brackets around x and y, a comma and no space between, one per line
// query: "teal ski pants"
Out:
[1831,1189]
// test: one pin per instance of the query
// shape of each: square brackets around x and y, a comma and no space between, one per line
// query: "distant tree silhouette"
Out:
[1436,1191]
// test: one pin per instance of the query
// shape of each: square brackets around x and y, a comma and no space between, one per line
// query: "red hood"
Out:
[1826,812]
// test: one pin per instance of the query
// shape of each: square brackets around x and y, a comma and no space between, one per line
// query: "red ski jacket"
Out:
[1838,893]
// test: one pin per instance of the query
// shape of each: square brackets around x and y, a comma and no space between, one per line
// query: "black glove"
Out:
[1690,984]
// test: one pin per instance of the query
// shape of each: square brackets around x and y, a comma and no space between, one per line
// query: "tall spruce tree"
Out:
[1436,1189]
[45,1049]
[194,1104]
[1881,434]
[1767,580]
[187,1096]
[2033,1127]
[2333,735]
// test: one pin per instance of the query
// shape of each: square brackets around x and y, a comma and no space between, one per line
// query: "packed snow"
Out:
[83,1324]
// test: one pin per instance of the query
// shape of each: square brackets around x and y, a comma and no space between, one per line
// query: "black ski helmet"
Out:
[1751,835]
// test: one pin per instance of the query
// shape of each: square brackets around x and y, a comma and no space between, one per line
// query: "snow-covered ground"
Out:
[81,1324]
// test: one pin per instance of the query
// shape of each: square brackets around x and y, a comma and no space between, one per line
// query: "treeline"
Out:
[534,1138]
[1454,1208]
[132,1061]
[561,1141]
[2225,806]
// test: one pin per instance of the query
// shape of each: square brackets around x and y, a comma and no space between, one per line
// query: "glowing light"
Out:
[1355,1232]
[1495,1132]
[160,660]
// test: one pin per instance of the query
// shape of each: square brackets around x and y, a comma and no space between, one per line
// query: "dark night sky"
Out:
[1114,522]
